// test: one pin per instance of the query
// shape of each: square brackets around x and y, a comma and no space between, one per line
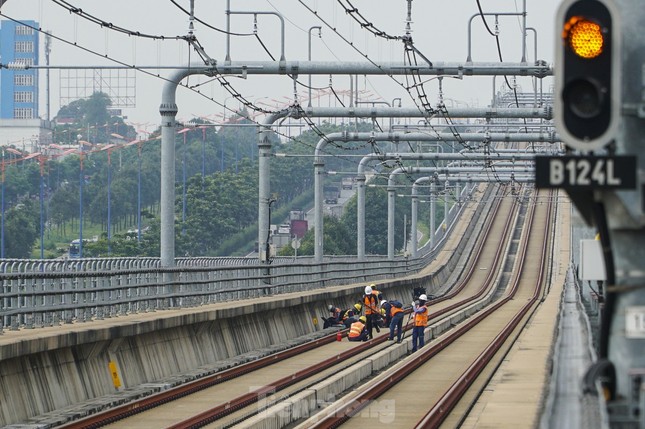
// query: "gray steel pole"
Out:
[374,112]
[168,111]
[264,183]
[433,213]
[360,220]
[403,112]
[360,209]
[413,112]
[391,195]
[414,216]
[438,68]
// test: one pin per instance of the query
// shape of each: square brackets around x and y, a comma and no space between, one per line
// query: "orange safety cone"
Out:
[339,336]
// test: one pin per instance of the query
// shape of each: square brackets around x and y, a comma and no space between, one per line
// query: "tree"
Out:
[217,208]
[376,221]
[63,205]
[95,109]
[21,230]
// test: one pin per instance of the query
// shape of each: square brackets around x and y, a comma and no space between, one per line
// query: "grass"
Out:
[55,245]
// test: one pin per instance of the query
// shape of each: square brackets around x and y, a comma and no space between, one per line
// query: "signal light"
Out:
[587,75]
[584,37]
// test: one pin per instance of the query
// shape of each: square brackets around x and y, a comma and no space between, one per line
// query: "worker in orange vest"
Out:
[358,331]
[372,309]
[420,311]
[396,319]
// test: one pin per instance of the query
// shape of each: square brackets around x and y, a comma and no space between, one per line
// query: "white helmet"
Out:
[368,290]
[423,297]
[383,302]
[331,307]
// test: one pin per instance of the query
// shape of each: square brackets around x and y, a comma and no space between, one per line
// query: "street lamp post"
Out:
[268,247]
[80,193]
[183,189]
[184,131]
[138,143]
[2,220]
[109,200]
[139,194]
[203,156]
[41,162]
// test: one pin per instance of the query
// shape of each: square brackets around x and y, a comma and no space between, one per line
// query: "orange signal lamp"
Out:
[584,37]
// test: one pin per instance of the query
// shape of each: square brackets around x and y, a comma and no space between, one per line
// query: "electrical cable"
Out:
[224,83]
[78,11]
[208,25]
[364,23]
[499,52]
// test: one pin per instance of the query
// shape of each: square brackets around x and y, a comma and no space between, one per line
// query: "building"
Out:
[19,117]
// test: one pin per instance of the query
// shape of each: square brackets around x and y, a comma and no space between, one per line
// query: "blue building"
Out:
[20,125]
[18,86]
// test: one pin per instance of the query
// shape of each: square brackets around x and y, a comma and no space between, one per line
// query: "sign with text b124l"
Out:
[585,172]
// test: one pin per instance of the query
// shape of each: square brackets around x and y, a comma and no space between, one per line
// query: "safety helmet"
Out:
[383,302]
[368,290]
[423,297]
[363,319]
[383,311]
[330,308]
[358,307]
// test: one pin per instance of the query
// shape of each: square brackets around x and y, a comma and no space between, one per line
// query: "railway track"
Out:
[439,385]
[268,388]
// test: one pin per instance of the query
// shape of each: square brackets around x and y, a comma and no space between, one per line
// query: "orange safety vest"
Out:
[356,329]
[348,312]
[371,303]
[421,319]
[394,310]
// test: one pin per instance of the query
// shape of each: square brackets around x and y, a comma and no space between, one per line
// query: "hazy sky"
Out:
[440,30]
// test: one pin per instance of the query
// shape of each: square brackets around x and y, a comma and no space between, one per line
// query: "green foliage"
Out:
[21,229]
[376,220]
[221,186]
[217,207]
[340,235]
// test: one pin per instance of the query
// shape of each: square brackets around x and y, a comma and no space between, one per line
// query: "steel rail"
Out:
[229,407]
[235,404]
[449,400]
[363,399]
[129,409]
[497,260]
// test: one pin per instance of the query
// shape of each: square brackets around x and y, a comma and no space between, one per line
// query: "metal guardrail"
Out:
[32,299]
[39,293]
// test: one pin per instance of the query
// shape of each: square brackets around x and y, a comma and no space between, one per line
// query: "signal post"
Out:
[600,115]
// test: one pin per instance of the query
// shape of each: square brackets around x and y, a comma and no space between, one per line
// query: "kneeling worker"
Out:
[351,315]
[358,331]
[334,317]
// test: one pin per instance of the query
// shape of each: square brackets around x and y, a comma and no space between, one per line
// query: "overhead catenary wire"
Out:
[499,53]
[407,42]
[208,25]
[109,25]
[134,67]
[247,103]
